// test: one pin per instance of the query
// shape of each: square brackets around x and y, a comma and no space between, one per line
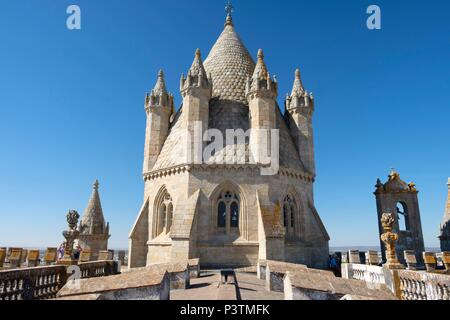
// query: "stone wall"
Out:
[194,196]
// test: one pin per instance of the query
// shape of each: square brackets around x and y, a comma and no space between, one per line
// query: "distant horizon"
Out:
[72,103]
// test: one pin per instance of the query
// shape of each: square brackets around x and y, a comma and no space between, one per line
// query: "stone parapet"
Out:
[313,286]
[40,283]
[143,284]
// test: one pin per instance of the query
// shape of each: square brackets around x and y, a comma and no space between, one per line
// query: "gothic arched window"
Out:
[164,214]
[234,215]
[289,215]
[222,215]
[228,211]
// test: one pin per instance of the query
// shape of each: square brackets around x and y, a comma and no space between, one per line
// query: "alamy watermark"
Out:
[374,20]
[73,21]
[233,147]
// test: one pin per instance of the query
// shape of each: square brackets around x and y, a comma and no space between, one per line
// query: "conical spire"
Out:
[297,89]
[299,97]
[159,97]
[93,221]
[230,64]
[260,72]
[197,67]
[261,79]
[160,87]
[196,76]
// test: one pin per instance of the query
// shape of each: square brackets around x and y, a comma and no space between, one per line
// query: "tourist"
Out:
[61,250]
[77,252]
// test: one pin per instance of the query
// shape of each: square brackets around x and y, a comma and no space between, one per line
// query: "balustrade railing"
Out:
[44,282]
[32,283]
[423,286]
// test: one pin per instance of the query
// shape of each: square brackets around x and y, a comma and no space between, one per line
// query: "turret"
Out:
[261,92]
[445,226]
[94,232]
[299,113]
[158,107]
[196,90]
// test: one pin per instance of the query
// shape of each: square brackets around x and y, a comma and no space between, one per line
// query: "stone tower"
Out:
[300,110]
[397,197]
[445,226]
[159,108]
[214,206]
[94,232]
[261,91]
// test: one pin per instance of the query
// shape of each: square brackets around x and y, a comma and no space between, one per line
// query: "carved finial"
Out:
[198,54]
[260,54]
[390,238]
[297,74]
[161,73]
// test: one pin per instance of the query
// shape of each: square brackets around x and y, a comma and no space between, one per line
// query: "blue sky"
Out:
[71,102]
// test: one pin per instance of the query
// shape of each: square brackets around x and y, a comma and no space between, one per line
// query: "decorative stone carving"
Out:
[70,236]
[389,238]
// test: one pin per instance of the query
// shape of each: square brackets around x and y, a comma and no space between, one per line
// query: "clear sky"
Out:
[71,102]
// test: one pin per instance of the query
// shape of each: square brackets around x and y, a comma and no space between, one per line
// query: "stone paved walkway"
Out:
[251,288]
[207,288]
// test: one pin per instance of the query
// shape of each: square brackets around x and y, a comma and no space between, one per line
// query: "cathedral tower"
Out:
[299,113]
[159,108]
[94,232]
[261,91]
[196,91]
[227,213]
[400,198]
[445,226]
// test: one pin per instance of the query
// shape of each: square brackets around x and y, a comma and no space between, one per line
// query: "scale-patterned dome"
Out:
[229,64]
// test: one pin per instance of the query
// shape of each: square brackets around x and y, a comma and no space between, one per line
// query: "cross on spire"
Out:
[229,8]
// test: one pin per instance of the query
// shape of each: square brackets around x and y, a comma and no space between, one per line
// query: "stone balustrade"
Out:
[410,284]
[44,282]
[423,286]
[367,273]
[14,258]
[32,283]
[303,285]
